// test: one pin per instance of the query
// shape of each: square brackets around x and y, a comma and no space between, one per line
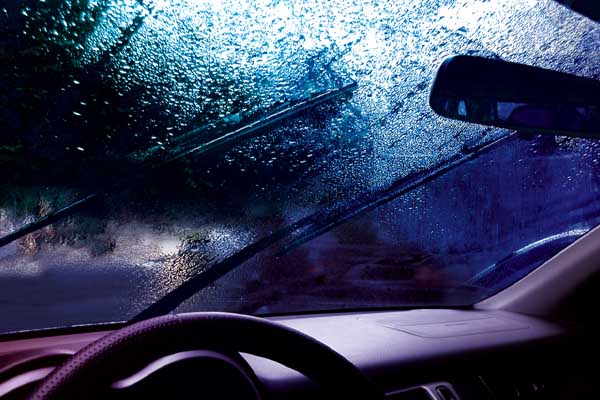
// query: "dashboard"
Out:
[428,354]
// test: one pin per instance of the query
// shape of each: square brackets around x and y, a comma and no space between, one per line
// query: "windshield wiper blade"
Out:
[341,214]
[193,285]
[566,237]
[315,224]
[48,219]
[248,130]
[186,145]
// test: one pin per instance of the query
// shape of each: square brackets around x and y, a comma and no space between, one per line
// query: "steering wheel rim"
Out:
[118,353]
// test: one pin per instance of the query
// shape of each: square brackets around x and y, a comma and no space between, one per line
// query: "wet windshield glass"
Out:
[193,129]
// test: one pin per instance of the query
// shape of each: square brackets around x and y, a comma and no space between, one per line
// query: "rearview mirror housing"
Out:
[589,8]
[516,96]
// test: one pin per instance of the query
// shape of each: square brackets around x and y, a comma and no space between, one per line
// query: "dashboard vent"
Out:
[410,394]
[431,391]
[513,389]
[445,393]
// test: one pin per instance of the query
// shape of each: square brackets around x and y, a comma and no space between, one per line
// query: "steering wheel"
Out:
[110,358]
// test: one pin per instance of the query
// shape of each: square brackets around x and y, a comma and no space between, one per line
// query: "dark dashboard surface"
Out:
[434,353]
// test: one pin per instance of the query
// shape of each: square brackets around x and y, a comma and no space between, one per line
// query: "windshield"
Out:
[282,151]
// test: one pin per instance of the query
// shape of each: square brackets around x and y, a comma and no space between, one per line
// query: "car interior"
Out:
[534,340]
[523,327]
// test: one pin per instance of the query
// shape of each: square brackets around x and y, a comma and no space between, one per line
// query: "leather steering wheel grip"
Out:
[92,370]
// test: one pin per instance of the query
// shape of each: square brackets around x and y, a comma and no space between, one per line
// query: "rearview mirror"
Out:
[509,95]
[589,8]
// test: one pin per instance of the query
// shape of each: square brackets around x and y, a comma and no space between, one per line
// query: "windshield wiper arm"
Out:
[315,224]
[185,146]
